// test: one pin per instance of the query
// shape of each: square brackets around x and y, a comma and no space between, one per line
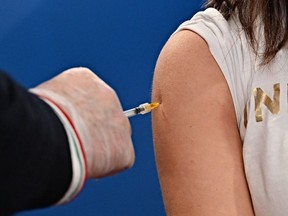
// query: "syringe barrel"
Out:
[130,113]
[145,108]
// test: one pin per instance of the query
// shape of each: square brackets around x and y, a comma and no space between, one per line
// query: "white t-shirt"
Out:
[260,96]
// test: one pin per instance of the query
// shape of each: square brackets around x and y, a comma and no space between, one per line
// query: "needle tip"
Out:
[154,105]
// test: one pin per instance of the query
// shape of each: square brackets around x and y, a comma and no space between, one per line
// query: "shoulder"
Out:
[195,132]
[210,24]
[209,40]
[187,72]
[184,54]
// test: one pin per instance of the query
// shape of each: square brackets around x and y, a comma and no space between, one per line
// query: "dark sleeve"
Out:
[35,162]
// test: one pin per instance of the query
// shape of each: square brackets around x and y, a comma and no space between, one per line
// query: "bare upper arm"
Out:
[197,144]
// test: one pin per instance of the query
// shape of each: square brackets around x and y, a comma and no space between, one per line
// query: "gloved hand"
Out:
[96,113]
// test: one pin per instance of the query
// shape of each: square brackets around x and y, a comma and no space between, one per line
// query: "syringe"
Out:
[141,109]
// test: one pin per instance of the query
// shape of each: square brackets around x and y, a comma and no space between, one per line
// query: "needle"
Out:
[141,109]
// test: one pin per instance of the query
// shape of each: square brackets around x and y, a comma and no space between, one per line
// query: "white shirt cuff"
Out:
[79,172]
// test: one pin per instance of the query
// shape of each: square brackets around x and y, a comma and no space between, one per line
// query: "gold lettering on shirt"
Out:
[262,98]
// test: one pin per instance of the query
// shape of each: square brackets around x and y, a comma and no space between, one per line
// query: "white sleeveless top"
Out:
[260,96]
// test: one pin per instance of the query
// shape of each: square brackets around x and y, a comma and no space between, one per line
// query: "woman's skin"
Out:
[197,144]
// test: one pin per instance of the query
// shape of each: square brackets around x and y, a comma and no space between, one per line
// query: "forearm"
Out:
[76,130]
[35,162]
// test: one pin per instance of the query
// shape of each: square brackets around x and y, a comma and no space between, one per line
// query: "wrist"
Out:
[78,159]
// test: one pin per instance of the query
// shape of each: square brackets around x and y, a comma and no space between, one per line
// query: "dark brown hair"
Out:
[272,13]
